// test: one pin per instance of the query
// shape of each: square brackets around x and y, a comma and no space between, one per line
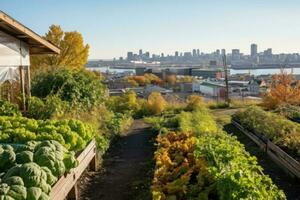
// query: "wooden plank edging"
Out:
[64,185]
[279,156]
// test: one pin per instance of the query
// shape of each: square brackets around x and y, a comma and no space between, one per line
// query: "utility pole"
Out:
[226,80]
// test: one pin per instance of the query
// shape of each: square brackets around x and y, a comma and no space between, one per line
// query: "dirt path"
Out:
[127,168]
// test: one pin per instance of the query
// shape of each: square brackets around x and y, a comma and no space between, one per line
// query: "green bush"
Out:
[79,88]
[289,111]
[46,108]
[119,123]
[9,109]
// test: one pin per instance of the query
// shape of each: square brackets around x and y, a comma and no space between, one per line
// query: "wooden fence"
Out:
[66,186]
[285,161]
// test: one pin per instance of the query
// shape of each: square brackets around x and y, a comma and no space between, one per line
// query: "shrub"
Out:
[79,88]
[127,103]
[194,102]
[46,108]
[9,109]
[156,104]
[289,111]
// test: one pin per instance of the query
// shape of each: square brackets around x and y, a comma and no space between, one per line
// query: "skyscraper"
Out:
[253,50]
[147,55]
[129,56]
[176,54]
[235,54]
[194,53]
[223,51]
[198,52]
[140,52]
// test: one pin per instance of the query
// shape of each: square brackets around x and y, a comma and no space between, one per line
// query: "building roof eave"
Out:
[37,44]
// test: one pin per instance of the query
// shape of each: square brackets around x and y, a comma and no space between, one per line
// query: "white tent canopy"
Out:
[13,53]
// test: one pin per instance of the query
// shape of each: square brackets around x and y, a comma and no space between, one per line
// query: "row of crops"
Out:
[29,170]
[197,160]
[34,154]
[280,130]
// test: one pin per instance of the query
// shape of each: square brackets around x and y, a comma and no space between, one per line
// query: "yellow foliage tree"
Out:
[74,53]
[284,90]
[171,79]
[156,104]
[194,102]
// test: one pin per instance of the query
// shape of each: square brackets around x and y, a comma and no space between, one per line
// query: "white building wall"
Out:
[207,90]
[196,87]
[13,53]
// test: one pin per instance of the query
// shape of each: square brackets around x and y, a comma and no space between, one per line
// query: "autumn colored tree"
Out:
[284,90]
[153,79]
[156,104]
[194,102]
[185,79]
[171,79]
[74,53]
[126,103]
[143,80]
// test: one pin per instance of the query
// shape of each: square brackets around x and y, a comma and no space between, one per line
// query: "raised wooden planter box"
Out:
[66,186]
[285,161]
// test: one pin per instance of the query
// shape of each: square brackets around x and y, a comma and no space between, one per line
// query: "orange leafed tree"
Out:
[143,80]
[284,90]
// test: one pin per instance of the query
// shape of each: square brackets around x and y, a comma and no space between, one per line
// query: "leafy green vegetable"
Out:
[24,157]
[73,134]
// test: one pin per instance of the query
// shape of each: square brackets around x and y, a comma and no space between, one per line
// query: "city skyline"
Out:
[113,27]
[253,50]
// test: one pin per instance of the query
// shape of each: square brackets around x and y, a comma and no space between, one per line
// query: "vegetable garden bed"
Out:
[284,160]
[66,186]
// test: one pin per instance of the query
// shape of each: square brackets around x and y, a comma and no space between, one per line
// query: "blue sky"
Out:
[113,27]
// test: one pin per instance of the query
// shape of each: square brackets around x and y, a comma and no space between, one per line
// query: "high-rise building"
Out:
[147,55]
[253,50]
[162,55]
[223,51]
[176,54]
[129,56]
[194,53]
[268,52]
[187,54]
[198,52]
[235,54]
[140,52]
[218,52]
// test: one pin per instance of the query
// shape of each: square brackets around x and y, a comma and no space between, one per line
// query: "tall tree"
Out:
[284,90]
[74,53]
